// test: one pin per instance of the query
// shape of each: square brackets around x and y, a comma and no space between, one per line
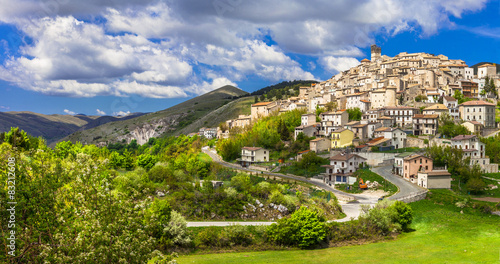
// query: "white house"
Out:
[250,155]
[475,149]
[341,167]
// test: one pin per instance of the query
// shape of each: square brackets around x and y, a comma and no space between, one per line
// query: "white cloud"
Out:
[121,113]
[338,64]
[4,107]
[99,112]
[69,112]
[164,49]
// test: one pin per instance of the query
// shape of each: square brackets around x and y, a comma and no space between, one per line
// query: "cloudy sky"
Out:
[119,56]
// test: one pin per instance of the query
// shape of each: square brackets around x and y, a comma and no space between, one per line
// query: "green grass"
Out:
[441,235]
[368,175]
[492,175]
[204,157]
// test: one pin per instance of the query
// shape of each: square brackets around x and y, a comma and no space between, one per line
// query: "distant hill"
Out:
[183,118]
[53,127]
[283,85]
[475,66]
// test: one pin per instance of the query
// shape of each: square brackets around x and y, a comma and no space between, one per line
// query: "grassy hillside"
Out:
[442,234]
[52,127]
[185,117]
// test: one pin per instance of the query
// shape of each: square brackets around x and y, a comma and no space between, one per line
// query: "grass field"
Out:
[441,235]
[368,175]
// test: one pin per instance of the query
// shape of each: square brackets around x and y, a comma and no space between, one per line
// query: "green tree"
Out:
[475,185]
[304,228]
[403,214]
[146,161]
[17,138]
[331,106]
[354,114]
[448,128]
[128,160]
[283,130]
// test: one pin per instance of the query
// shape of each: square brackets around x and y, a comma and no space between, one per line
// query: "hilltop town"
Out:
[401,102]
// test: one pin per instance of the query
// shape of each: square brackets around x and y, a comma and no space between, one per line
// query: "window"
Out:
[420,161]
[426,167]
[339,178]
[415,161]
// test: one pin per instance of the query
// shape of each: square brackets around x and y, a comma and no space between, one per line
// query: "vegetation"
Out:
[460,97]
[492,145]
[448,128]
[354,114]
[368,175]
[420,98]
[76,200]
[308,166]
[267,133]
[458,166]
[283,88]
[439,232]
[305,228]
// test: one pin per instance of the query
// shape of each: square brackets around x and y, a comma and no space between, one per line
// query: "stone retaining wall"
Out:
[413,197]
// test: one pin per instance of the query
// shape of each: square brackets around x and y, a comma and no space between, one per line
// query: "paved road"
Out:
[351,209]
[198,224]
[405,187]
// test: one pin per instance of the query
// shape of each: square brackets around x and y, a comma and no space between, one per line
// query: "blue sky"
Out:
[112,57]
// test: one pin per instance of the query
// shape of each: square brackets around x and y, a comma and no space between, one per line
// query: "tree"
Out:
[283,130]
[17,138]
[128,160]
[331,106]
[403,214]
[304,228]
[146,161]
[448,128]
[354,114]
[475,185]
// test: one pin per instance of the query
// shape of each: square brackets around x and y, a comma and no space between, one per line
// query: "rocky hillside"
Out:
[182,118]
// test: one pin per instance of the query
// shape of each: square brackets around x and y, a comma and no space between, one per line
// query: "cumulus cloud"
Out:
[99,112]
[338,64]
[69,112]
[165,49]
[121,113]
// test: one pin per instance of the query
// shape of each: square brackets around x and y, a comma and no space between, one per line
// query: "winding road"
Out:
[351,209]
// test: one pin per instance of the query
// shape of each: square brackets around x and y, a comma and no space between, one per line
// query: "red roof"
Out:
[472,103]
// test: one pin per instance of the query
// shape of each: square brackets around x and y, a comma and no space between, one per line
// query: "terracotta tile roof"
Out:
[365,60]
[420,116]
[450,98]
[474,103]
[463,137]
[251,148]
[437,107]
[345,157]
[305,151]
[438,173]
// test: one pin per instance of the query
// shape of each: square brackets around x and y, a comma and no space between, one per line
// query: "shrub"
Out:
[175,232]
[475,185]
[239,235]
[304,228]
[210,237]
[404,214]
